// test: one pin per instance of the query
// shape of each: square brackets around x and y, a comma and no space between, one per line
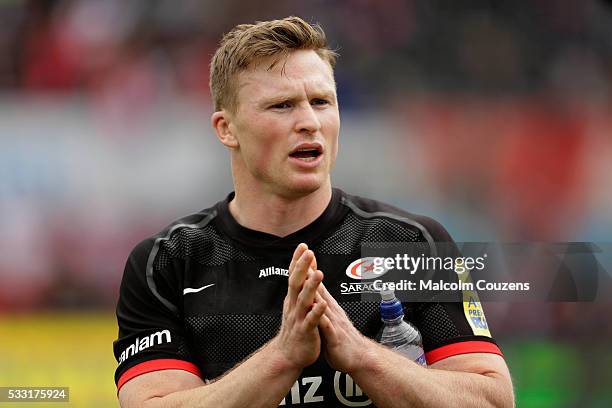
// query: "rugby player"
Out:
[242,304]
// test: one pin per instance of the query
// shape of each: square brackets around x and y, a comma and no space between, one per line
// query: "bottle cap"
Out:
[387,294]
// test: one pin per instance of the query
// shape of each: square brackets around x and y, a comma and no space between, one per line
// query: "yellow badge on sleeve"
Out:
[473,309]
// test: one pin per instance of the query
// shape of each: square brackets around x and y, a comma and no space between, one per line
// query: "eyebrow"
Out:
[328,94]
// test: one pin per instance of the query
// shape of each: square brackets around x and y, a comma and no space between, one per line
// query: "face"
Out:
[286,125]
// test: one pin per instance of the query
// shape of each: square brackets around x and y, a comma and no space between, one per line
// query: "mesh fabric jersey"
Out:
[205,293]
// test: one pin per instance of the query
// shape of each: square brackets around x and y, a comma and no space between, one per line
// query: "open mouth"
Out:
[307,153]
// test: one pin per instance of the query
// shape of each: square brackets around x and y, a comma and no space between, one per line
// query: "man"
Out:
[237,306]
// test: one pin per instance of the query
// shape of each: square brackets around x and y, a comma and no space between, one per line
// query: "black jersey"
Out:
[206,292]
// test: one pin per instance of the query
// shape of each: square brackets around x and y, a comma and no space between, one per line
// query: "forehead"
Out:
[301,71]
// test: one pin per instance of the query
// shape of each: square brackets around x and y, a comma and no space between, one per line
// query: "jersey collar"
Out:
[310,234]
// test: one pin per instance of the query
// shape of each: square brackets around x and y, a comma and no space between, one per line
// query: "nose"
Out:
[307,120]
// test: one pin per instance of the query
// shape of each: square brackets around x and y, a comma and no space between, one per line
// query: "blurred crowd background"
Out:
[495,117]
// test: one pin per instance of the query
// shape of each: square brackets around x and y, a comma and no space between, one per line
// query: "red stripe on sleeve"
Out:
[156,365]
[463,347]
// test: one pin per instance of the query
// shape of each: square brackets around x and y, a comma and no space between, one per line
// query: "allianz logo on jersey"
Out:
[273,270]
[360,269]
[154,339]
[307,391]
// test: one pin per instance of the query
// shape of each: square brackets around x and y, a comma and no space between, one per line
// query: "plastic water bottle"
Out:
[397,334]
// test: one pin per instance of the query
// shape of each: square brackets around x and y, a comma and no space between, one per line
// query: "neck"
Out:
[278,215]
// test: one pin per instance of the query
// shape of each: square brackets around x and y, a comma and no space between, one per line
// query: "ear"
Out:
[221,122]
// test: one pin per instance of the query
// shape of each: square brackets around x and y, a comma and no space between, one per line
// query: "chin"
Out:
[303,186]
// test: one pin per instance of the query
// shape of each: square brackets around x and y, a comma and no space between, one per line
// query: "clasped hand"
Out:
[313,321]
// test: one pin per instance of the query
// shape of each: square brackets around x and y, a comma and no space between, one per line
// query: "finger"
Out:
[327,330]
[323,295]
[299,250]
[321,290]
[333,305]
[313,264]
[296,278]
[313,318]
[318,298]
[307,295]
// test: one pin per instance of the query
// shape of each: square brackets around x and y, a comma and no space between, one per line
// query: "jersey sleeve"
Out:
[451,328]
[151,336]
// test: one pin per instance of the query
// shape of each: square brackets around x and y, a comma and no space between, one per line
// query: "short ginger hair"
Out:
[249,43]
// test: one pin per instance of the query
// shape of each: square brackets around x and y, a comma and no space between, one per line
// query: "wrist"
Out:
[370,359]
[278,360]
[367,358]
